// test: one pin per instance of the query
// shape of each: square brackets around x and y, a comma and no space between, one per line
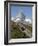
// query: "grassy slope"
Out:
[16,33]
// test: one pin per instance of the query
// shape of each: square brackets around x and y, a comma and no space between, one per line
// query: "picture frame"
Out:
[7,22]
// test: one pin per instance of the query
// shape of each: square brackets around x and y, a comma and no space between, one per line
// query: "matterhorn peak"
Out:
[20,16]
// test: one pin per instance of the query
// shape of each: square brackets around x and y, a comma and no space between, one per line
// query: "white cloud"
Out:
[18,19]
[12,18]
[28,20]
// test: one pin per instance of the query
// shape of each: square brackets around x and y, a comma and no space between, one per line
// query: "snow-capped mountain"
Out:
[21,17]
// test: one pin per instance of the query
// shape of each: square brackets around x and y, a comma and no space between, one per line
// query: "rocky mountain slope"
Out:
[20,27]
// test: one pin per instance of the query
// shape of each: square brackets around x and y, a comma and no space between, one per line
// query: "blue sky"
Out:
[27,11]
